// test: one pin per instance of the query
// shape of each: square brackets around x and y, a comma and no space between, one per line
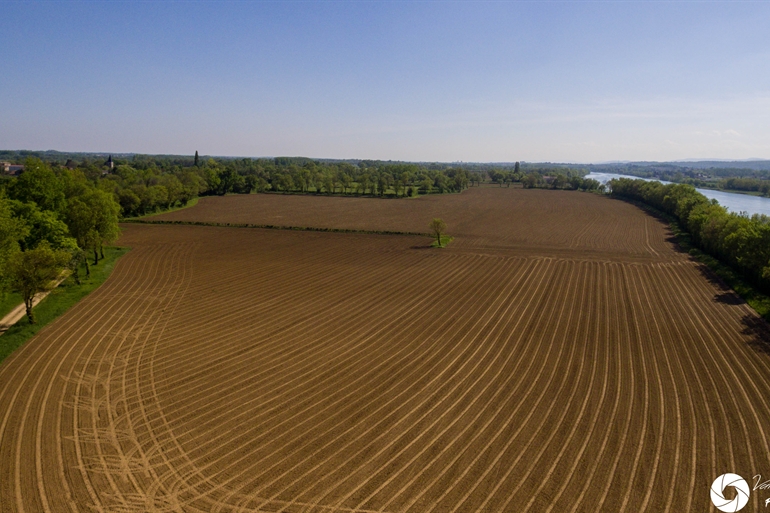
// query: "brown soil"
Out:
[480,218]
[536,364]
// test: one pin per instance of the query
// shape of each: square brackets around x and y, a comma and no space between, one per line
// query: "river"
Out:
[733,202]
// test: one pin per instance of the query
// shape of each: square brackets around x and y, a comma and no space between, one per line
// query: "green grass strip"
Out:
[59,301]
[757,300]
[190,203]
[275,227]
[445,239]
[9,301]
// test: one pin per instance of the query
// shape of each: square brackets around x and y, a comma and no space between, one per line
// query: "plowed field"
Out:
[481,217]
[561,358]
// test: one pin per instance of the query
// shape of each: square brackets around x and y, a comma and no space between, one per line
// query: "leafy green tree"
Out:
[43,225]
[346,182]
[438,227]
[560,182]
[174,189]
[129,202]
[532,180]
[34,271]
[12,230]
[40,185]
[212,177]
[196,163]
[228,180]
[82,222]
[105,215]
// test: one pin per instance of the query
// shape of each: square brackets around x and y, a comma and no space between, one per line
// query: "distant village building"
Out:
[11,169]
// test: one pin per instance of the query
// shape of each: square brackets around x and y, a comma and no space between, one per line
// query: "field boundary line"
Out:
[278,227]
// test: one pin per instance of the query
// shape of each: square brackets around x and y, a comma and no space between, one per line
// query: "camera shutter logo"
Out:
[742,492]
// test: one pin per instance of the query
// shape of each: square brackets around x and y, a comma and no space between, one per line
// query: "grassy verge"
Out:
[757,300]
[59,301]
[190,203]
[445,239]
[274,227]
[9,301]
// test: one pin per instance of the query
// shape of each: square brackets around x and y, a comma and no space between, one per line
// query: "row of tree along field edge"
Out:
[51,221]
[273,227]
[59,300]
[144,184]
[736,246]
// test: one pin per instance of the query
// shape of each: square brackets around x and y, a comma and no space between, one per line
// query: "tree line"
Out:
[740,241]
[144,184]
[50,221]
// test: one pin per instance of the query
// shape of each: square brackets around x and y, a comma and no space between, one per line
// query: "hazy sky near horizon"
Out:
[569,81]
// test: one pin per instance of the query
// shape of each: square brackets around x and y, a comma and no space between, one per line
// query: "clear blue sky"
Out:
[472,81]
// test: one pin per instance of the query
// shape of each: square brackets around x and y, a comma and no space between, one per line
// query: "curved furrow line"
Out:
[625,339]
[453,441]
[376,394]
[534,345]
[600,349]
[552,428]
[38,351]
[62,466]
[26,415]
[47,364]
[300,363]
[353,392]
[297,449]
[705,330]
[647,237]
[403,417]
[533,407]
[272,350]
[589,293]
[614,321]
[656,296]
[711,328]
[714,392]
[159,282]
[277,303]
[637,340]
[82,382]
[636,283]
[684,331]
[363,377]
[758,367]
[94,404]
[178,284]
[121,282]
[321,392]
[480,433]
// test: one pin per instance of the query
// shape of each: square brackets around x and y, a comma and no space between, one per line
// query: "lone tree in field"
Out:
[34,271]
[438,227]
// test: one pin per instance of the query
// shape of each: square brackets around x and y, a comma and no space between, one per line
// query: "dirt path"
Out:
[20,311]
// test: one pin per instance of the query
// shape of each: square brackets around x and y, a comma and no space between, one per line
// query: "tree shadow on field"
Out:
[759,332]
[729,298]
[728,295]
